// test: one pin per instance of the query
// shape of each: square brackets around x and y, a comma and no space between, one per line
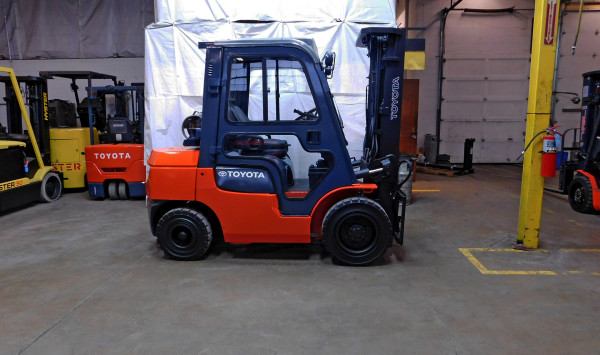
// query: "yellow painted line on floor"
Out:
[467,252]
[577,223]
[581,250]
[549,210]
[426,190]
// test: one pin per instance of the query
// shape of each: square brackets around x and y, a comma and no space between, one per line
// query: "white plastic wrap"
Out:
[175,65]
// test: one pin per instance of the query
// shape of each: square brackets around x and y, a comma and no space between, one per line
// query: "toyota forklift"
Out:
[115,168]
[580,177]
[267,160]
[25,176]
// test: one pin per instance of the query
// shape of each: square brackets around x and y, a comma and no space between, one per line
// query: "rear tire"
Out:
[112,191]
[581,195]
[123,195]
[184,234]
[51,187]
[357,231]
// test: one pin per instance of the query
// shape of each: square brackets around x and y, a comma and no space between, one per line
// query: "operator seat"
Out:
[273,150]
[236,114]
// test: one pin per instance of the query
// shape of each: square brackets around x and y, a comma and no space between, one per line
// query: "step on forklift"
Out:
[269,162]
[115,168]
[25,176]
[68,139]
[580,177]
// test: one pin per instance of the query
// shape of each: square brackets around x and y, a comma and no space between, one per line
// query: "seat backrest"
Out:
[237,114]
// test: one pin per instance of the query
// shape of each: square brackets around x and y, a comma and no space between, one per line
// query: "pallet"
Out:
[435,171]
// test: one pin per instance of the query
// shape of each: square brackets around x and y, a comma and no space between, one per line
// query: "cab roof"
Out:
[308,45]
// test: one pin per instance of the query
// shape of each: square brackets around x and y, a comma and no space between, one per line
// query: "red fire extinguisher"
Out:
[549,155]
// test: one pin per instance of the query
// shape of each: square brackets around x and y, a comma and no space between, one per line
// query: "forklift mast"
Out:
[589,149]
[36,98]
[127,124]
[386,47]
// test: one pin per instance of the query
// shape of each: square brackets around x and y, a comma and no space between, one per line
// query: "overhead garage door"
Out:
[486,85]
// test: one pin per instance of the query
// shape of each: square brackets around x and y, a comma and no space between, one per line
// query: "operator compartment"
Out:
[172,173]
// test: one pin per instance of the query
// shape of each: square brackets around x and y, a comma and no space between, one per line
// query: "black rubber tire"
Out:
[581,195]
[357,231]
[112,191]
[123,190]
[51,187]
[184,234]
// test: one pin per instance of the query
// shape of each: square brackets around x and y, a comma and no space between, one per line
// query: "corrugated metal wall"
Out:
[38,29]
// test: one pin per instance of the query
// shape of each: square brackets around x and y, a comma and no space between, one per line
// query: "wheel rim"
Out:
[52,187]
[182,235]
[356,234]
[578,195]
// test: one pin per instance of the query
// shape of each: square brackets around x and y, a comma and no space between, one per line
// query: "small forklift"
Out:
[267,160]
[580,177]
[25,176]
[115,168]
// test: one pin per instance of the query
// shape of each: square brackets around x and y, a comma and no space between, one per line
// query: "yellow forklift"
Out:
[25,177]
[67,139]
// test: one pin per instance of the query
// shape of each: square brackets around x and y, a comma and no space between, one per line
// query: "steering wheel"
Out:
[309,115]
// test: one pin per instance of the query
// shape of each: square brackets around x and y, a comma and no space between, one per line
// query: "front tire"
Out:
[184,234]
[51,187]
[581,195]
[357,231]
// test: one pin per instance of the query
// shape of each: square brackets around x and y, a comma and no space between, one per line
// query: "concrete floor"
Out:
[85,277]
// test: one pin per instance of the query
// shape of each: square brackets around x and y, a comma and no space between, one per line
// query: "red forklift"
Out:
[115,168]
[580,177]
[267,160]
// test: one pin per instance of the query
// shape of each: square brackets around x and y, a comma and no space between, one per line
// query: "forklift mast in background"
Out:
[126,125]
[36,98]
[589,150]
[82,106]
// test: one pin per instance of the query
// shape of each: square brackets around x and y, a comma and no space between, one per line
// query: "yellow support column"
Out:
[544,40]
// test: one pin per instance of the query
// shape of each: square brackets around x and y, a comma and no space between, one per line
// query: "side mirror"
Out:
[190,128]
[328,64]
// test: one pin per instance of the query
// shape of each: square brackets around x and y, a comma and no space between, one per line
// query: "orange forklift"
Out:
[115,168]
[267,160]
